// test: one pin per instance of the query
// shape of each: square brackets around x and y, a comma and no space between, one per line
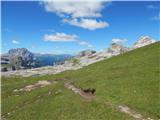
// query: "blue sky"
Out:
[64,27]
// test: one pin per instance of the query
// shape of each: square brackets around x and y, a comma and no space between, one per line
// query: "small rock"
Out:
[8,113]
[15,90]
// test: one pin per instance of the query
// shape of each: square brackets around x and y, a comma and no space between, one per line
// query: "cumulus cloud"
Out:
[15,42]
[60,37]
[75,9]
[63,37]
[118,41]
[78,13]
[90,24]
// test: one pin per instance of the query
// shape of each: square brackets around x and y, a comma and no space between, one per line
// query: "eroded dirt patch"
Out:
[130,112]
[127,110]
[86,95]
[39,84]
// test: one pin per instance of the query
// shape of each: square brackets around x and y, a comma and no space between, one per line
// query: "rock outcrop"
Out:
[84,58]
[142,41]
[116,49]
[85,53]
[113,50]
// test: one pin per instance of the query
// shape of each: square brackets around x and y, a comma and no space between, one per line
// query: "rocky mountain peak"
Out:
[116,48]
[142,41]
[85,53]
[20,57]
[23,52]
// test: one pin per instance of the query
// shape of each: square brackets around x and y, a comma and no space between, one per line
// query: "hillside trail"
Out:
[87,96]
[121,108]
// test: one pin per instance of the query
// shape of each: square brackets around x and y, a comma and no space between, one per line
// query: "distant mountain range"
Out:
[21,58]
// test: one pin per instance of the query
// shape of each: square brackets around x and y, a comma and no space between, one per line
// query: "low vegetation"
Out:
[130,79]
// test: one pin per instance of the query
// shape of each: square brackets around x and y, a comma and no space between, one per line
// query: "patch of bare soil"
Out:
[86,95]
[39,84]
[130,112]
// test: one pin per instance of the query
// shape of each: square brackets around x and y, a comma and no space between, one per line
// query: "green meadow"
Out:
[131,79]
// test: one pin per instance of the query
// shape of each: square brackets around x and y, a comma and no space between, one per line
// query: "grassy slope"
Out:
[130,79]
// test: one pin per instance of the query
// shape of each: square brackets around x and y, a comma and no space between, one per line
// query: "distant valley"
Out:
[21,58]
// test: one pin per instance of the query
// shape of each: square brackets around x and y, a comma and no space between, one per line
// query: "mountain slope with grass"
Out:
[130,79]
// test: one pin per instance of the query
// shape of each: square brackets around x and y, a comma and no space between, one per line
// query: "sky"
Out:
[69,27]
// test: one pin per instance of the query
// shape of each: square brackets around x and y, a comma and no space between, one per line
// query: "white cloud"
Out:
[60,37]
[15,42]
[85,44]
[156,17]
[118,41]
[75,9]
[78,13]
[90,24]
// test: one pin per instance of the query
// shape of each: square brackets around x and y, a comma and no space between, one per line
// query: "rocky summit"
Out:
[17,59]
[83,58]
[142,41]
[21,58]
[116,48]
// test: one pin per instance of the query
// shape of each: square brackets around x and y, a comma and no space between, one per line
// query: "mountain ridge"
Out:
[71,64]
